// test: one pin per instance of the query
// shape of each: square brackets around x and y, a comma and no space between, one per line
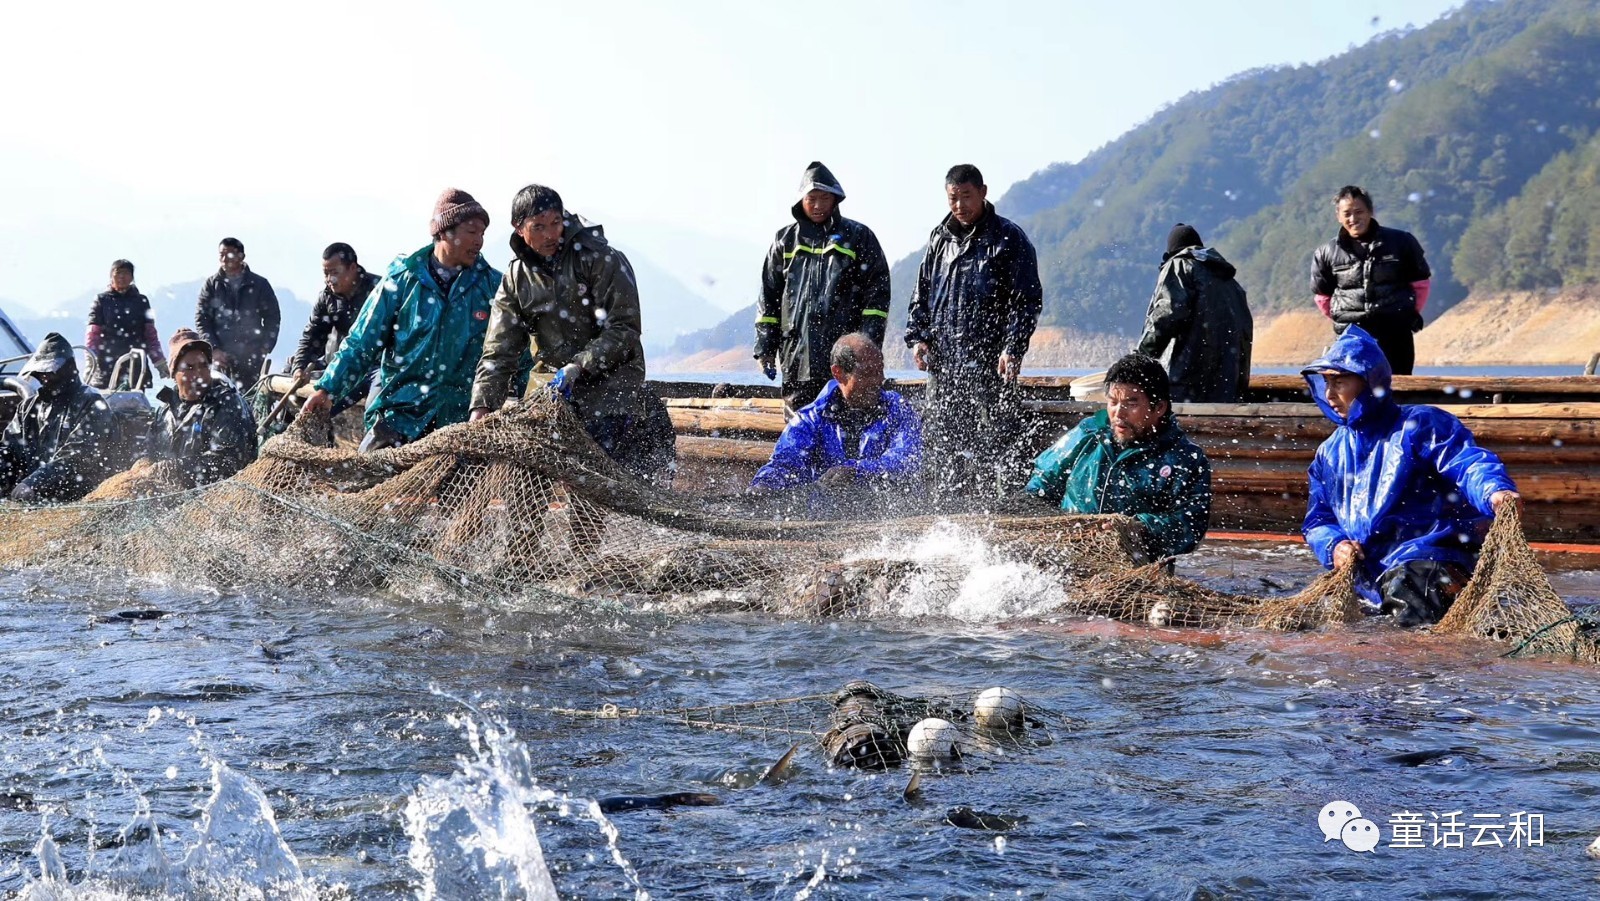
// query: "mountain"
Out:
[668,307]
[1476,132]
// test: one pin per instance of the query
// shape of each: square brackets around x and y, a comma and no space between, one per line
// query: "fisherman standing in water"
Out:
[573,297]
[1402,490]
[1132,458]
[422,329]
[825,277]
[973,312]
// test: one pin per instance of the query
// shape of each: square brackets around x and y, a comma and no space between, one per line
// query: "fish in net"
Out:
[862,726]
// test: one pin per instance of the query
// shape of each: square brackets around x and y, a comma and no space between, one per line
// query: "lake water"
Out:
[363,747]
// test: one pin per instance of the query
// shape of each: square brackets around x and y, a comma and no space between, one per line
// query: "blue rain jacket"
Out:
[425,346]
[890,448]
[1405,482]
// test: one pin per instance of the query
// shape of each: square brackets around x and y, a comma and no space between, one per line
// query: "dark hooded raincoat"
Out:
[56,444]
[819,283]
[1406,482]
[1202,311]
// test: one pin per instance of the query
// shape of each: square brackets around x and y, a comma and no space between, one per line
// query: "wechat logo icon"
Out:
[1343,821]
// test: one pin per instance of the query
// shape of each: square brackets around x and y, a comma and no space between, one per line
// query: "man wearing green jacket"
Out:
[422,329]
[1132,458]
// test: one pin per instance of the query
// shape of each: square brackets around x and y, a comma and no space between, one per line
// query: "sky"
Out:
[150,131]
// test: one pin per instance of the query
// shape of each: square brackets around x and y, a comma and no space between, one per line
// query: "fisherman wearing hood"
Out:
[53,448]
[573,297]
[976,302]
[1132,458]
[1201,310]
[825,277]
[1402,490]
[422,329]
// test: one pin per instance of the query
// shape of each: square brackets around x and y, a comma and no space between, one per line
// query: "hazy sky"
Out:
[150,131]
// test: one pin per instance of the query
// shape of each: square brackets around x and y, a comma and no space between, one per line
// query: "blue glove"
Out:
[565,376]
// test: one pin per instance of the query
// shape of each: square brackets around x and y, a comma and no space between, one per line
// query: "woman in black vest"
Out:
[120,320]
[1372,276]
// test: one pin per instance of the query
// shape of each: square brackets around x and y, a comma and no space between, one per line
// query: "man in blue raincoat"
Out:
[422,329]
[854,433]
[1402,490]
[1132,458]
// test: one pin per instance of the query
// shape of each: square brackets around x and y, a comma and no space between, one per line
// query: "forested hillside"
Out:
[1478,132]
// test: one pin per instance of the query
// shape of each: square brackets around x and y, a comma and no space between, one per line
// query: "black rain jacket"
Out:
[1204,314]
[56,444]
[241,323]
[978,293]
[210,439]
[330,318]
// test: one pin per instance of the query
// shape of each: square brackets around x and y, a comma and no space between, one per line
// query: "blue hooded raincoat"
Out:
[1404,482]
[890,448]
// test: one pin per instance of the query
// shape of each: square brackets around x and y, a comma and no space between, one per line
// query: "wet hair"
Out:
[232,243]
[1144,373]
[341,251]
[1352,192]
[847,351]
[119,265]
[533,200]
[964,174]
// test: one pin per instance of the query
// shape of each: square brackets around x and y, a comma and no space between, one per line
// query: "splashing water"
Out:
[473,834]
[959,575]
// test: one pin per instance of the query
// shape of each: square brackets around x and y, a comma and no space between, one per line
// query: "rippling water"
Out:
[355,747]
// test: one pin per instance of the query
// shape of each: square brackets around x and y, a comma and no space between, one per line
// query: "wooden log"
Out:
[1478,385]
[724,450]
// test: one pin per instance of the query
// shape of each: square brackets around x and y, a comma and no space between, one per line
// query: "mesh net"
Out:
[864,726]
[523,505]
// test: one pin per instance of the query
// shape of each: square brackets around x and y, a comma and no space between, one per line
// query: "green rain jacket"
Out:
[1165,483]
[424,346]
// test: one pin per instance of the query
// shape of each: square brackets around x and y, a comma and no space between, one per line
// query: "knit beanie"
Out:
[455,206]
[1180,237]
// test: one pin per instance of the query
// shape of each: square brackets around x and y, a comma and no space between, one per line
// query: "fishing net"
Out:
[1509,599]
[863,726]
[522,505]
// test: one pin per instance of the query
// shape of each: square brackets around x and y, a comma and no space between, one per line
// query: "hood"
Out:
[1210,258]
[53,355]
[577,230]
[1358,353]
[816,178]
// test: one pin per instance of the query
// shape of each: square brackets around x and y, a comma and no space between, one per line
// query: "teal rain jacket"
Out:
[1165,482]
[424,346]
[1406,482]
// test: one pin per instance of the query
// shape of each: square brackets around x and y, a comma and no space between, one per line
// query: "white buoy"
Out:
[998,708]
[933,738]
[1594,849]
[1161,615]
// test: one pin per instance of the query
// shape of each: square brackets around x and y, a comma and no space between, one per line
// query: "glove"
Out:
[566,376]
[163,370]
[769,367]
